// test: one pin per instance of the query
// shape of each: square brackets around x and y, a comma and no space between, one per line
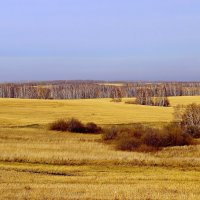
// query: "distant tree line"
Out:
[95,89]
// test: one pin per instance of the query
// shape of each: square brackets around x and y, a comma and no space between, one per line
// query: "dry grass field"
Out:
[39,164]
[20,112]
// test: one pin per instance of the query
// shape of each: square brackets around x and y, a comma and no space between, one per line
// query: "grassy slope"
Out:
[40,164]
[102,111]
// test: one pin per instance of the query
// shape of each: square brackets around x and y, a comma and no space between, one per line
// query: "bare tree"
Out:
[191,120]
[143,91]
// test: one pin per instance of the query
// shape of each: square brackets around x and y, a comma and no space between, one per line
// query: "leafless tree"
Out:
[190,120]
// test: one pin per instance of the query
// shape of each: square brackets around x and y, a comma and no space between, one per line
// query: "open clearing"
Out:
[39,164]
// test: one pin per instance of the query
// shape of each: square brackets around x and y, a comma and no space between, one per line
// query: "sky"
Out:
[100,40]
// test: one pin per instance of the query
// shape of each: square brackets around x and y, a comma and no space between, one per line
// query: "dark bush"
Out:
[92,128]
[59,125]
[152,137]
[194,131]
[75,126]
[141,138]
[128,144]
[175,136]
[171,135]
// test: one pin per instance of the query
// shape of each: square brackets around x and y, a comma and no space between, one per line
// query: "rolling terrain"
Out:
[36,163]
[23,112]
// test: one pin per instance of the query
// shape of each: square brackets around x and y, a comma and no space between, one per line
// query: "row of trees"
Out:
[91,89]
[148,97]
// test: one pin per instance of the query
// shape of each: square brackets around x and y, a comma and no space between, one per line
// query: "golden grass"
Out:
[49,147]
[102,183]
[19,112]
[39,164]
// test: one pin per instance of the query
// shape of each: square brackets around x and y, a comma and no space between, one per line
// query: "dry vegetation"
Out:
[36,163]
[145,139]
[74,126]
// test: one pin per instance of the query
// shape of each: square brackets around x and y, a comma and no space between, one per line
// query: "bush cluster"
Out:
[75,126]
[141,138]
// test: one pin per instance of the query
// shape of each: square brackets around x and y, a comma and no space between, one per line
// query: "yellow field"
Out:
[28,112]
[39,164]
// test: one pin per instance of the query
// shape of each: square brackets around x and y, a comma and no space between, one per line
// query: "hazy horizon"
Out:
[99,40]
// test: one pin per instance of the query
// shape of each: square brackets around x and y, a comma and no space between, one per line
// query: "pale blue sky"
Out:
[99,39]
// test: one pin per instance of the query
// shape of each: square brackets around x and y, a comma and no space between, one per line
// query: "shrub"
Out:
[141,138]
[152,137]
[128,144]
[75,126]
[194,131]
[171,135]
[59,125]
[175,136]
[92,128]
